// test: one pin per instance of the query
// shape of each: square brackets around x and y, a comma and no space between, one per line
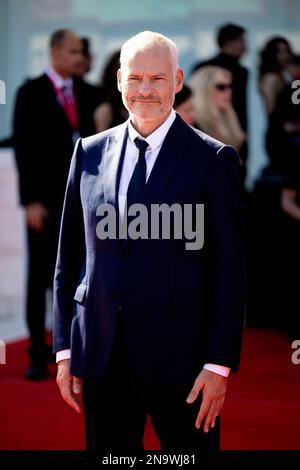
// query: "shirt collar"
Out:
[57,80]
[157,137]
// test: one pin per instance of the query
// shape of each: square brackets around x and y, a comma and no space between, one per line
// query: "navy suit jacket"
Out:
[180,308]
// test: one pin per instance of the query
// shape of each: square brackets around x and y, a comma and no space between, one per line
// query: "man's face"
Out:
[67,58]
[148,82]
[238,46]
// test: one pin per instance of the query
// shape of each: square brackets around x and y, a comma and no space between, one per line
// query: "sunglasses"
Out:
[222,86]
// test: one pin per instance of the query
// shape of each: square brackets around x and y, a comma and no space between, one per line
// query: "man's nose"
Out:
[145,88]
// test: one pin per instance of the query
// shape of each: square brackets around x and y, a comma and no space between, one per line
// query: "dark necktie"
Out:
[138,179]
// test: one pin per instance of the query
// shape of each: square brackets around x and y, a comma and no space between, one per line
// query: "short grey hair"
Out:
[147,39]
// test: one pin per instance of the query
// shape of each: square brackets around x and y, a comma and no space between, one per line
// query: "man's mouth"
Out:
[146,101]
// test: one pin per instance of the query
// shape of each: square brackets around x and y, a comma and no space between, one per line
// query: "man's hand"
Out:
[213,388]
[35,215]
[69,386]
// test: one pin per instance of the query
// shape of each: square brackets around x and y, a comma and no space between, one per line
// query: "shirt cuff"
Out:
[64,354]
[221,370]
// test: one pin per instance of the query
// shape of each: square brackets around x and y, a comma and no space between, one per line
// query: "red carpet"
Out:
[261,411]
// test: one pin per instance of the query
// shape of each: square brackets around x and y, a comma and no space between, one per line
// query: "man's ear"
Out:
[179,80]
[119,80]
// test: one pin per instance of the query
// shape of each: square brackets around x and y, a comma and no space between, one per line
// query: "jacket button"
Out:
[125,255]
[116,296]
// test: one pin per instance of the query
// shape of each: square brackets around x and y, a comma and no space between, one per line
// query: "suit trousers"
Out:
[42,248]
[116,406]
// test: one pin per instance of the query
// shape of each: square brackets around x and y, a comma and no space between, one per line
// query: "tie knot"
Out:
[141,145]
[66,89]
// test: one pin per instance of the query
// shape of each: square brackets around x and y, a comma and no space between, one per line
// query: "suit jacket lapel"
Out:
[113,160]
[172,151]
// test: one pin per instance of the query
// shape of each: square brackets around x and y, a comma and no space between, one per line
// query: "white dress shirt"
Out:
[58,81]
[155,141]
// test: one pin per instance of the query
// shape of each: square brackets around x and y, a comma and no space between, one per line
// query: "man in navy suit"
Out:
[145,325]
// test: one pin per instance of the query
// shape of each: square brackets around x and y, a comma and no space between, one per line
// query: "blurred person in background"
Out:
[284,132]
[290,108]
[232,44]
[290,204]
[287,135]
[184,105]
[215,115]
[51,112]
[85,65]
[112,112]
[274,77]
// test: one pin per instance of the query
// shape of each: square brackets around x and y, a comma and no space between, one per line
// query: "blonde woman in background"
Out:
[214,112]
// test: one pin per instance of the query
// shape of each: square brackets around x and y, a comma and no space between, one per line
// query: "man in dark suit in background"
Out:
[51,112]
[149,325]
